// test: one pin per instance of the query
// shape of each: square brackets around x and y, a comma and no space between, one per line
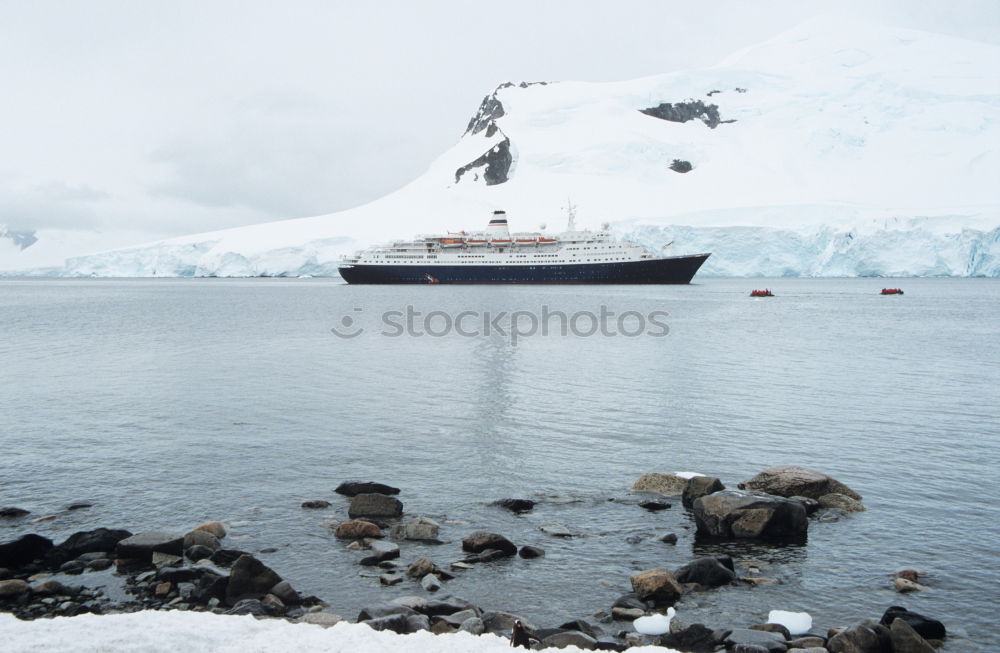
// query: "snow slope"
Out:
[839,149]
[169,632]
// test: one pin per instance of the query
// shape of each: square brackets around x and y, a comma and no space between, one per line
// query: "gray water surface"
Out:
[170,402]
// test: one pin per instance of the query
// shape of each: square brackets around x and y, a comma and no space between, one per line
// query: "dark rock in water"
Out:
[249,606]
[482,540]
[380,552]
[354,488]
[489,555]
[630,601]
[858,638]
[654,506]
[421,529]
[841,502]
[12,512]
[315,505]
[769,642]
[528,552]
[77,544]
[669,538]
[226,557]
[23,550]
[657,585]
[286,593]
[445,606]
[249,578]
[709,572]
[198,552]
[906,640]
[696,638]
[179,574]
[811,505]
[681,166]
[791,480]
[700,486]
[685,111]
[80,505]
[99,564]
[736,514]
[927,628]
[495,162]
[210,586]
[216,528]
[143,545]
[374,505]
[72,567]
[515,505]
[807,641]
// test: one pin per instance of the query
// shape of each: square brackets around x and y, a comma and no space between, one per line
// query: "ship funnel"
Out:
[497,230]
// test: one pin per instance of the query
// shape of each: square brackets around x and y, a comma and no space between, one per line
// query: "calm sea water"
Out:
[169,402]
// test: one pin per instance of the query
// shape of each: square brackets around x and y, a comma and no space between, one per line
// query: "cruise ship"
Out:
[498,256]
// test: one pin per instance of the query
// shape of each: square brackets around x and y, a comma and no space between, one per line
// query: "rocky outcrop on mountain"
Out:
[495,163]
[681,166]
[491,108]
[685,111]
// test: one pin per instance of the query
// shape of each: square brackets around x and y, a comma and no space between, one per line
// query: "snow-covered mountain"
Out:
[835,149]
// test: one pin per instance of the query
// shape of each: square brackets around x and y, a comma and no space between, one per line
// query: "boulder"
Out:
[448,605]
[417,622]
[378,610]
[396,623]
[657,585]
[570,638]
[430,583]
[528,552]
[161,560]
[24,550]
[286,593]
[905,586]
[710,572]
[771,642]
[791,480]
[374,505]
[927,628]
[473,625]
[316,504]
[496,621]
[515,505]
[12,512]
[841,501]
[668,484]
[13,587]
[807,642]
[908,574]
[654,506]
[858,638]
[77,544]
[811,505]
[696,638]
[737,514]
[380,552]
[418,528]
[773,628]
[354,488]
[48,588]
[142,545]
[627,614]
[699,486]
[226,557]
[216,528]
[420,568]
[906,640]
[249,578]
[669,538]
[555,530]
[356,529]
[481,541]
[198,552]
[201,538]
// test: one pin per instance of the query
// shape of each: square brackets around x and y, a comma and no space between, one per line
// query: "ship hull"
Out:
[672,270]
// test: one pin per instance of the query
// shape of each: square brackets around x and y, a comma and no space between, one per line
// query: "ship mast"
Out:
[571,213]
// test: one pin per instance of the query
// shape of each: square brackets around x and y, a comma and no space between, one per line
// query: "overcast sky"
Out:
[175,117]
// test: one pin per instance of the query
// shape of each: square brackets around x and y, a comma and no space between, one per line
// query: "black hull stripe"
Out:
[674,270]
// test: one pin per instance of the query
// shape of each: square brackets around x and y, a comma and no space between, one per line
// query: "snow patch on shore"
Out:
[191,632]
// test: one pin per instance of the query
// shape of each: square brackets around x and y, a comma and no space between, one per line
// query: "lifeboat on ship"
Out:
[762,293]
[892,291]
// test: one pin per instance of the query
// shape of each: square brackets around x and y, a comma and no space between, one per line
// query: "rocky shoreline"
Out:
[197,572]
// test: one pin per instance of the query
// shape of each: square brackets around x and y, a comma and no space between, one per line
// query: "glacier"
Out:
[838,148]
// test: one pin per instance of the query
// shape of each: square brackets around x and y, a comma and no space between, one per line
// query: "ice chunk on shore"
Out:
[656,624]
[687,474]
[797,623]
[167,632]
